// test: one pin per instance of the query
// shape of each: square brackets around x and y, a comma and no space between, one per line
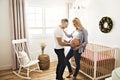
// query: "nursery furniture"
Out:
[25,62]
[44,61]
[97,61]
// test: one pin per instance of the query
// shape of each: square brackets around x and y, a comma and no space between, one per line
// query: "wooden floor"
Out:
[45,75]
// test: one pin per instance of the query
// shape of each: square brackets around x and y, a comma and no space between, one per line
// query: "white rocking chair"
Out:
[24,60]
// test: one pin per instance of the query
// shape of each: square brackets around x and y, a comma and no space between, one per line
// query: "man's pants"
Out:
[61,63]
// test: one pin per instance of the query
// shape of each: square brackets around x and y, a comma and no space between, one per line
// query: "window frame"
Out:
[44,28]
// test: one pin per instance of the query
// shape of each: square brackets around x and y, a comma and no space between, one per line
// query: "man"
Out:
[59,48]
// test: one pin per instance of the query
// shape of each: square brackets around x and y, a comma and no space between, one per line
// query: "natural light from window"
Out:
[41,20]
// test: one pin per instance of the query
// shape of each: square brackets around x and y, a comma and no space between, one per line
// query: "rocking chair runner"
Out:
[24,60]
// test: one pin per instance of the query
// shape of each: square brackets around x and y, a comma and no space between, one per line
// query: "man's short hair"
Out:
[64,20]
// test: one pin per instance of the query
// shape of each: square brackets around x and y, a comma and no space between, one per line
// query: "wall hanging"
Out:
[106,24]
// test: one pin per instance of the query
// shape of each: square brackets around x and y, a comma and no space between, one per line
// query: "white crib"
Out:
[97,61]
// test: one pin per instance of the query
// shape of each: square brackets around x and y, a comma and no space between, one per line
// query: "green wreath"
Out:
[109,23]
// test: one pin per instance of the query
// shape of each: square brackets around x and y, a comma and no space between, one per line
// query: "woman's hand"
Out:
[76,48]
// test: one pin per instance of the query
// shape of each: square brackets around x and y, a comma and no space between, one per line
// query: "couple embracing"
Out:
[77,44]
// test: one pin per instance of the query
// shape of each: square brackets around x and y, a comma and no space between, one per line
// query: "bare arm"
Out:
[68,35]
[60,42]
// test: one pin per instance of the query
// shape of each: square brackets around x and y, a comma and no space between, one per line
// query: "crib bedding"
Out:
[104,58]
[105,55]
[103,67]
[99,62]
[97,48]
[100,52]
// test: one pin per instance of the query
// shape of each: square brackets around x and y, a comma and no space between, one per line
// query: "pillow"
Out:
[116,74]
[24,58]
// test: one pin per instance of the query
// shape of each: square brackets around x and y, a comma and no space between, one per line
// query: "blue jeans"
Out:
[61,63]
[77,57]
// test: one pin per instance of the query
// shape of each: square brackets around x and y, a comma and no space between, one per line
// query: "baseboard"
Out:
[5,67]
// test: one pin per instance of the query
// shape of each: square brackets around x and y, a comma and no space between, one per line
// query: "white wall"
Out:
[35,47]
[90,16]
[5,50]
[96,10]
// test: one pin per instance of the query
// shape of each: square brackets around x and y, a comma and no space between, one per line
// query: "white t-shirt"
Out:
[58,33]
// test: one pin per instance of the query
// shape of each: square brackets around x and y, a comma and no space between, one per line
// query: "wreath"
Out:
[109,24]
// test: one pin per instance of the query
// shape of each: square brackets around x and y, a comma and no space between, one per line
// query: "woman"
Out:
[81,34]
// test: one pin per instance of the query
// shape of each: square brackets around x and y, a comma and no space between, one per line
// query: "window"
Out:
[44,20]
[41,20]
[34,16]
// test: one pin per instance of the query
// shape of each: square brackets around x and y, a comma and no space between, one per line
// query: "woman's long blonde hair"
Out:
[79,25]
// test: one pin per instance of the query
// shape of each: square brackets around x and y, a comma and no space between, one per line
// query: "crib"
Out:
[97,61]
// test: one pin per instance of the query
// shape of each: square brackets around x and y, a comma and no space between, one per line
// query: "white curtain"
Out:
[18,29]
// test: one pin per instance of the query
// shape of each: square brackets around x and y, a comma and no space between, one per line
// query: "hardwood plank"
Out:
[45,75]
